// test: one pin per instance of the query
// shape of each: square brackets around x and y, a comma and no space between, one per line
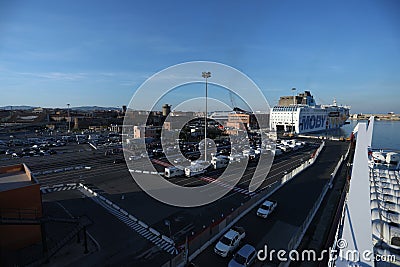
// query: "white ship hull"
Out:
[320,119]
[301,118]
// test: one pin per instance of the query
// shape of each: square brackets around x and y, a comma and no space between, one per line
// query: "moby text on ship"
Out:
[300,114]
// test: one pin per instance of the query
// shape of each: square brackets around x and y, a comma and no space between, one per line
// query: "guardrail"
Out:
[198,243]
[296,239]
[130,216]
[339,219]
[92,145]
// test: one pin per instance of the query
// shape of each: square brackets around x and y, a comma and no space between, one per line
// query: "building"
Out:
[37,110]
[166,109]
[146,132]
[241,120]
[20,201]
[220,116]
[177,121]
[169,125]
[97,128]
[301,99]
[116,128]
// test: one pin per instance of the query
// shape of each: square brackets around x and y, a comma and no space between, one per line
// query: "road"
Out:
[114,180]
[295,200]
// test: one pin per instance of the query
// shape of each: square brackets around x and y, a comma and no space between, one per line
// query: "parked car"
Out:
[134,157]
[10,151]
[16,155]
[230,241]
[245,256]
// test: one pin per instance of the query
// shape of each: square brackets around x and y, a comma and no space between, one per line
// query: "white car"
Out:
[230,241]
[266,208]
[178,160]
[134,157]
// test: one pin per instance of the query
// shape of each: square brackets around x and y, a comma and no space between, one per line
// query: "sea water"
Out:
[386,134]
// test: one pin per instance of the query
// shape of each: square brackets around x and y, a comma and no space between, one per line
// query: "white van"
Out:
[173,171]
[219,161]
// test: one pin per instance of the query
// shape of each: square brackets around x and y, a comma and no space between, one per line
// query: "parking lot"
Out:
[81,163]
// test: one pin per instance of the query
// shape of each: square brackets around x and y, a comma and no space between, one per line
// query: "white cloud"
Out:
[56,75]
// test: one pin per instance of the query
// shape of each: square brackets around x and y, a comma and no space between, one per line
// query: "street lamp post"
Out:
[69,120]
[294,104]
[205,75]
[168,223]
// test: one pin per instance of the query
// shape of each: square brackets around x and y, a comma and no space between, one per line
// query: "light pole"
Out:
[69,120]
[205,75]
[168,223]
[294,104]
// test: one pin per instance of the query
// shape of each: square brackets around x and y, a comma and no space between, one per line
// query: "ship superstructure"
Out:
[300,114]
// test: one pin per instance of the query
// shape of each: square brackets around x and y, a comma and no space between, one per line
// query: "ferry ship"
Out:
[300,114]
[384,171]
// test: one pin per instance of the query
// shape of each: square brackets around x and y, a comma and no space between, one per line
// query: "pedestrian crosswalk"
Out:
[66,169]
[146,172]
[65,187]
[160,162]
[140,229]
[58,187]
[138,226]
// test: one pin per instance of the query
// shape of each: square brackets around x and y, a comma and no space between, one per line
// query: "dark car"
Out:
[244,257]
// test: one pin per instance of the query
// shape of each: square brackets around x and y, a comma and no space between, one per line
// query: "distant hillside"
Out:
[83,108]
[16,108]
[92,108]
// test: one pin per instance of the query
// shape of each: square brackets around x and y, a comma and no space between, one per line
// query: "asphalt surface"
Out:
[115,238]
[119,244]
[295,200]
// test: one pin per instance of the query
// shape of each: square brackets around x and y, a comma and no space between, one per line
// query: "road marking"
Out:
[162,163]
[135,225]
[58,188]
[234,188]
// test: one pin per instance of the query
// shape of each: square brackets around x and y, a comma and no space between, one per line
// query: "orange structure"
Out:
[20,208]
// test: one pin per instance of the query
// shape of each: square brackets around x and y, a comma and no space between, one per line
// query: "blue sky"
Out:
[99,52]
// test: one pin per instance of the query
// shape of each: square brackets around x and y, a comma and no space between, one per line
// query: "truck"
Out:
[230,241]
[219,161]
[249,153]
[173,171]
[236,158]
[196,168]
[266,208]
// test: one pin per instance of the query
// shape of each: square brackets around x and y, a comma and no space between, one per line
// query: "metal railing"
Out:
[198,243]
[296,239]
[81,224]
